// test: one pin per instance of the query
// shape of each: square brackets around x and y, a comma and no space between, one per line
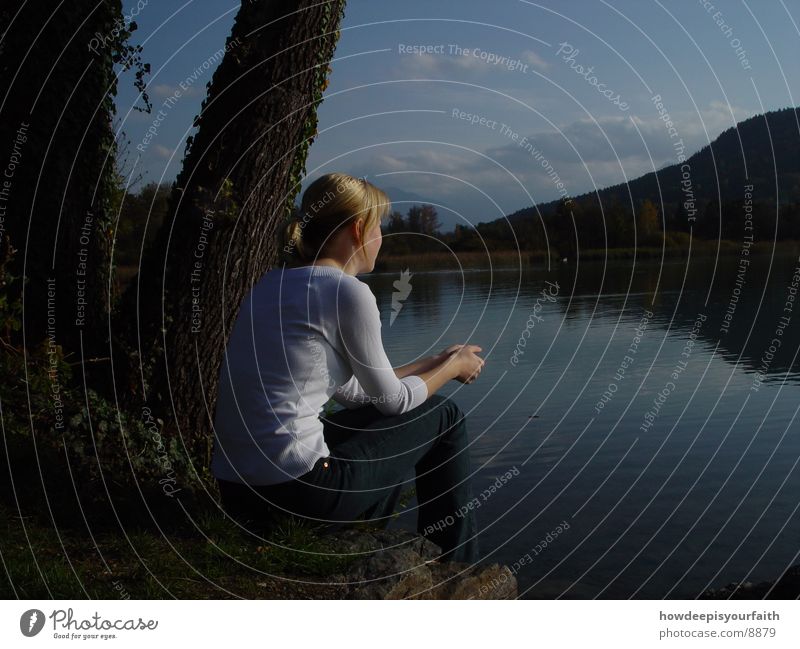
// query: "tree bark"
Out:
[240,174]
[56,168]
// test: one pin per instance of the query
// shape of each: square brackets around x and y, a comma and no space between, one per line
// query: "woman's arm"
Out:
[435,377]
[352,395]
[374,380]
[423,365]
[428,363]
[453,363]
[460,362]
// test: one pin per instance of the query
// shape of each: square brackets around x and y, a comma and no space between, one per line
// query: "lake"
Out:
[646,456]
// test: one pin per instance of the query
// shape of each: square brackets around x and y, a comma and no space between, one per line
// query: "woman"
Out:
[312,331]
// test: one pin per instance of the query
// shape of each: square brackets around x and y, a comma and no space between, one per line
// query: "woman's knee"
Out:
[453,408]
[440,400]
[451,413]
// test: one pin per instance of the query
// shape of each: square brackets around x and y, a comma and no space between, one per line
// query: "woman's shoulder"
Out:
[341,286]
[351,291]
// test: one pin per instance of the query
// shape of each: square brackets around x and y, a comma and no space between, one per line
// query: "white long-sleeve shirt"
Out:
[302,336]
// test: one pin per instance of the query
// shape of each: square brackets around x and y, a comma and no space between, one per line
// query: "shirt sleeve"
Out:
[374,380]
[350,394]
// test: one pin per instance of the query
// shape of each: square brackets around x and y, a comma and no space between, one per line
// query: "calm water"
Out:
[705,495]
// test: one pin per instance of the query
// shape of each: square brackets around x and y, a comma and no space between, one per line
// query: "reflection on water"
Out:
[683,476]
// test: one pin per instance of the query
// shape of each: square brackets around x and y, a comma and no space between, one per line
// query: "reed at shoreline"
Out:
[522,258]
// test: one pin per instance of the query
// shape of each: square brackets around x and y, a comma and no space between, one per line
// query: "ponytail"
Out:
[292,245]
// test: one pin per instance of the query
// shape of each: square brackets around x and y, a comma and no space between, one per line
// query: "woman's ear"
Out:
[357,230]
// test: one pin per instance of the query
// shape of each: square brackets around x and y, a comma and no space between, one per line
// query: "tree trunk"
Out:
[57,168]
[240,173]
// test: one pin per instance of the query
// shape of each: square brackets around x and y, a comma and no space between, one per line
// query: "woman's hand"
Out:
[467,363]
[453,348]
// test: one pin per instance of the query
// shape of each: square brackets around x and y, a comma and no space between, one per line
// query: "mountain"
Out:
[759,151]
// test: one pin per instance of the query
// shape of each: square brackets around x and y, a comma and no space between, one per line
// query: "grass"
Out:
[513,258]
[168,549]
[216,559]
[456,261]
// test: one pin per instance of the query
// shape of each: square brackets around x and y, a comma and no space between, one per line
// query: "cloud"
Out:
[534,60]
[595,163]
[162,151]
[586,140]
[717,117]
[605,139]
[162,90]
[456,61]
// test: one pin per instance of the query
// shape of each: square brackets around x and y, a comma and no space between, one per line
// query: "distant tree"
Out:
[707,227]
[464,238]
[414,221]
[732,220]
[460,232]
[396,223]
[591,230]
[140,212]
[679,220]
[790,221]
[620,225]
[564,229]
[429,221]
[647,222]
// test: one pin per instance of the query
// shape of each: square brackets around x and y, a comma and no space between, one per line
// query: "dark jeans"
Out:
[371,456]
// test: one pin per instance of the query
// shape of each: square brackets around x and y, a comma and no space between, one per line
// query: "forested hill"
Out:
[757,151]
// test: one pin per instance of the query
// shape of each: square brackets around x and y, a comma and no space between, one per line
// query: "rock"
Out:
[786,587]
[369,540]
[398,564]
[425,548]
[398,573]
[461,581]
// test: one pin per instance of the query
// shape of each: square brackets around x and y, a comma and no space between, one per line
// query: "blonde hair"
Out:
[332,201]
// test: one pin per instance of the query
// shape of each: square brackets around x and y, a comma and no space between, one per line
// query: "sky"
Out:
[484,108]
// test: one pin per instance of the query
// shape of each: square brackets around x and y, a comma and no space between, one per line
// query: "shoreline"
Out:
[514,260]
